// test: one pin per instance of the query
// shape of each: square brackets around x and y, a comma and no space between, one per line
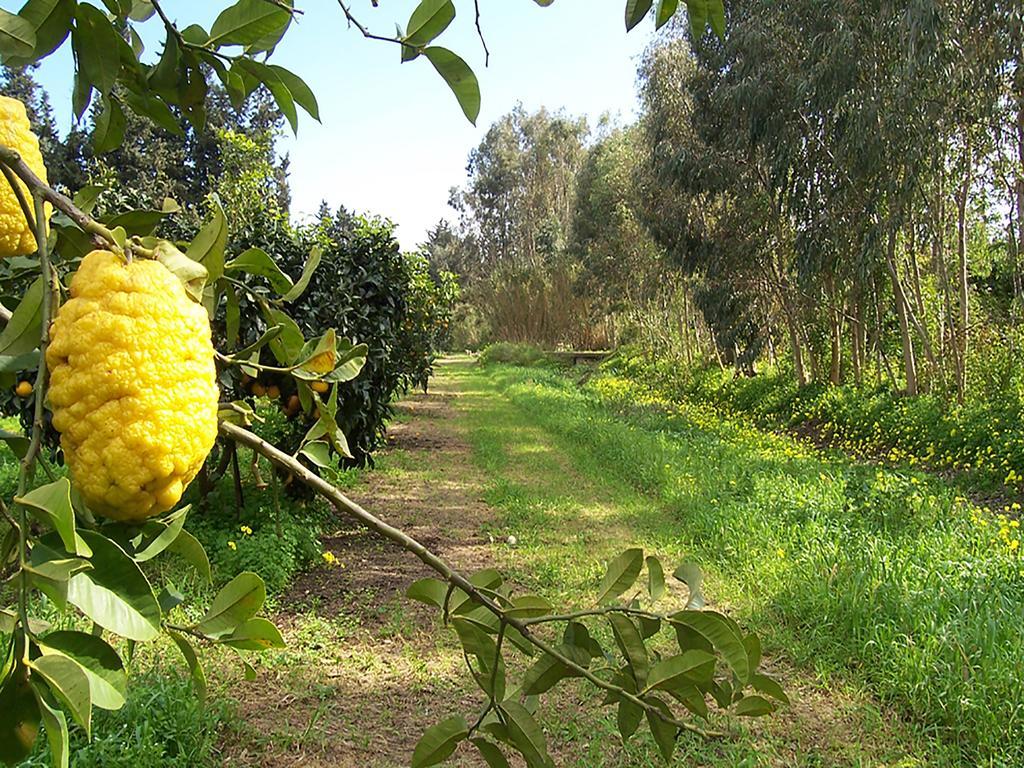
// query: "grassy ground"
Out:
[473,463]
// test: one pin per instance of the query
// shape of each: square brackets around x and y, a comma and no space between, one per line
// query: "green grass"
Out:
[870,577]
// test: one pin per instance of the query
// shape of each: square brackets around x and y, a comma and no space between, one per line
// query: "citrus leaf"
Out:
[439,742]
[460,79]
[621,574]
[490,753]
[627,637]
[17,37]
[723,637]
[753,706]
[56,726]
[188,547]
[21,334]
[692,577]
[312,262]
[19,725]
[68,682]
[103,668]
[636,10]
[115,594]
[237,602]
[194,666]
[681,671]
[256,261]
[51,504]
[254,635]
[655,578]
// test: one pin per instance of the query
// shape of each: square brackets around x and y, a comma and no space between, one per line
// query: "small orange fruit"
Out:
[320,386]
[259,390]
[24,389]
[273,392]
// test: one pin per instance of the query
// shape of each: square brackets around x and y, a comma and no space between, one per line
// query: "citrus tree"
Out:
[114,325]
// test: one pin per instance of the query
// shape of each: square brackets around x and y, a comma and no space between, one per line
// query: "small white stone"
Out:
[512,540]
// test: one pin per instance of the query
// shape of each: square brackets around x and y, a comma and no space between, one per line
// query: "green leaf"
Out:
[237,602]
[349,361]
[288,345]
[697,10]
[439,742]
[722,635]
[115,594]
[19,724]
[51,22]
[716,17]
[476,642]
[430,591]
[577,634]
[692,577]
[548,671]
[208,246]
[51,505]
[233,314]
[490,753]
[277,87]
[101,664]
[319,452]
[188,547]
[628,718]
[627,637]
[254,635]
[666,10]
[109,131]
[681,671]
[753,645]
[17,37]
[768,686]
[621,574]
[636,10]
[300,92]
[460,79]
[68,682]
[159,534]
[56,726]
[655,578]
[256,261]
[429,19]
[22,332]
[312,262]
[664,733]
[194,665]
[529,607]
[192,274]
[97,48]
[248,22]
[753,706]
[525,735]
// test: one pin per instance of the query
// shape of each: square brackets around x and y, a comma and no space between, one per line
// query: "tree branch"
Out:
[12,160]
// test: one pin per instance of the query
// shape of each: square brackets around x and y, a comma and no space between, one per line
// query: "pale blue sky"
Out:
[393,139]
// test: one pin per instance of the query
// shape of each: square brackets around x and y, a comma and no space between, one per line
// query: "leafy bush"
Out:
[274,543]
[162,725]
[983,439]
[509,353]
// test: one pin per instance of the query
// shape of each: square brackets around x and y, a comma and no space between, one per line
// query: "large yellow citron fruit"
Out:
[16,239]
[132,386]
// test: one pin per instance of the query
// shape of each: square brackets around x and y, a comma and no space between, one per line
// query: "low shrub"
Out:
[512,353]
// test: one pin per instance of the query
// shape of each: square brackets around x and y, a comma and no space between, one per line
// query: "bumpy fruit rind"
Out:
[132,386]
[16,238]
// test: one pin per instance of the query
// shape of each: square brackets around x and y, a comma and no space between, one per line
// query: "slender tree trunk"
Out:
[962,276]
[907,341]
[856,333]
[836,333]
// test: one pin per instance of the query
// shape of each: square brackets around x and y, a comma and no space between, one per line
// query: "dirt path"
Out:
[366,670]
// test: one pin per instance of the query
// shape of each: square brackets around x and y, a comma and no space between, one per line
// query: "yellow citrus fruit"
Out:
[16,238]
[24,389]
[132,386]
[320,386]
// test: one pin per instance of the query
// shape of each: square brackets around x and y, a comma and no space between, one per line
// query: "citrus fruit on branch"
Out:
[16,238]
[132,386]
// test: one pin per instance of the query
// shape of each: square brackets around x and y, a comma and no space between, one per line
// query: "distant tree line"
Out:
[836,188]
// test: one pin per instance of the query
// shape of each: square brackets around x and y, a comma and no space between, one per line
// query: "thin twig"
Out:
[353,21]
[480,33]
[19,193]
